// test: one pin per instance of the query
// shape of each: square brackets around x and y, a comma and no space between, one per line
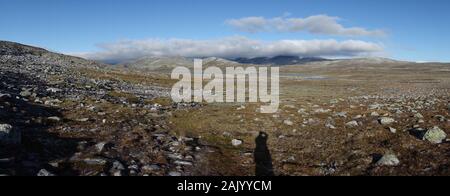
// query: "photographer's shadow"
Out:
[263,159]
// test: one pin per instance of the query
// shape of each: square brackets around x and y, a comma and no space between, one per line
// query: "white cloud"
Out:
[230,47]
[318,24]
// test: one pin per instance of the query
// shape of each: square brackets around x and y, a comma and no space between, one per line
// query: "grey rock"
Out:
[288,123]
[440,118]
[9,135]
[392,130]
[236,142]
[418,115]
[341,114]
[150,168]
[26,93]
[386,120]
[353,123]
[54,90]
[117,166]
[44,172]
[82,120]
[54,119]
[95,161]
[100,146]
[435,135]
[388,160]
[174,173]
[183,163]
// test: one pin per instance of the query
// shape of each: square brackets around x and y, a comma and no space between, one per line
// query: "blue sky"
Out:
[416,30]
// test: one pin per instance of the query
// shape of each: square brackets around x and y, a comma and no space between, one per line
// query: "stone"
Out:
[117,166]
[100,146]
[321,111]
[435,135]
[236,142]
[174,173]
[150,168]
[418,115]
[440,118]
[374,114]
[392,130]
[25,93]
[54,119]
[288,123]
[54,90]
[330,126]
[341,114]
[353,123]
[9,135]
[374,106]
[44,172]
[99,162]
[386,121]
[357,117]
[388,160]
[183,163]
[82,120]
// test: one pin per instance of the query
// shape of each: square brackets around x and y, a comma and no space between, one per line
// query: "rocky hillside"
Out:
[62,115]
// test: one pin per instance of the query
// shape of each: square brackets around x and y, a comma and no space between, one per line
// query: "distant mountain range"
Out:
[279,60]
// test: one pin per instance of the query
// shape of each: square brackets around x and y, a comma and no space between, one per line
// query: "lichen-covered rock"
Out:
[435,135]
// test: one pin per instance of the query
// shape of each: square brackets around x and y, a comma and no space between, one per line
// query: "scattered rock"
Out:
[183,163]
[330,126]
[9,135]
[435,135]
[26,93]
[44,172]
[95,161]
[392,130]
[54,90]
[54,119]
[288,123]
[321,111]
[386,120]
[440,118]
[174,173]
[341,114]
[388,160]
[418,115]
[357,117]
[100,146]
[375,114]
[236,142]
[82,120]
[353,123]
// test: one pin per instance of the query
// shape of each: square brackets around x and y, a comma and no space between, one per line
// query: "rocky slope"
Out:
[62,115]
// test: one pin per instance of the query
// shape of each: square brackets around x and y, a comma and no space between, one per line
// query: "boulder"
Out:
[9,135]
[386,120]
[352,124]
[435,135]
[388,160]
[236,142]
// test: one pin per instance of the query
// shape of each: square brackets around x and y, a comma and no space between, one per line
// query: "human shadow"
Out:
[262,156]
[38,146]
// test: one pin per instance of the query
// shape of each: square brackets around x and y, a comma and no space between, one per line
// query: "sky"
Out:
[414,30]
